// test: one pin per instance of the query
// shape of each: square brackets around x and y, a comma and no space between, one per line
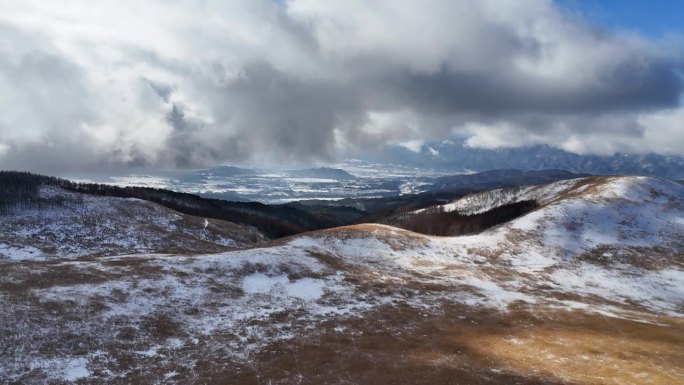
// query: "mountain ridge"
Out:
[455,154]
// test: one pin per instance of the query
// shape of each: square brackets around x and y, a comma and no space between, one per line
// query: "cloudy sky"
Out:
[161,83]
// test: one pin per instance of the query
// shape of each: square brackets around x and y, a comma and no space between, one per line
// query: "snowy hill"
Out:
[581,216]
[619,238]
[587,289]
[73,225]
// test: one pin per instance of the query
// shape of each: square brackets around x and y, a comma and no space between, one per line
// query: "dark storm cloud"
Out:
[629,86]
[183,84]
[163,90]
[272,111]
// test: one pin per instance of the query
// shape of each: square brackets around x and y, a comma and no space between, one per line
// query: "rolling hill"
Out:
[585,288]
[62,223]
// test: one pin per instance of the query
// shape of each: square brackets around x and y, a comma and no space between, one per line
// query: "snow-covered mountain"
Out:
[72,225]
[456,154]
[588,288]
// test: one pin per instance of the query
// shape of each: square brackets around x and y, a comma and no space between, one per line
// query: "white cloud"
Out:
[415,145]
[664,130]
[186,83]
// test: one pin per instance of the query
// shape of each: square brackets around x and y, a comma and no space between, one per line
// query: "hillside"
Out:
[501,178]
[585,214]
[19,189]
[587,288]
[387,210]
[61,223]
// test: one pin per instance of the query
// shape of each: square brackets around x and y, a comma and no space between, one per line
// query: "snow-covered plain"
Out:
[273,186]
[608,245]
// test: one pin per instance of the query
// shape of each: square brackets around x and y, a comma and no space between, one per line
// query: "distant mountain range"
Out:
[456,156]
[320,173]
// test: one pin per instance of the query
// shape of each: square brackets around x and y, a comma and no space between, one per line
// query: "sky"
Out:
[104,85]
[651,18]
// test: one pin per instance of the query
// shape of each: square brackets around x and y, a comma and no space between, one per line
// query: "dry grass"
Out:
[587,349]
[461,345]
[648,258]
[444,343]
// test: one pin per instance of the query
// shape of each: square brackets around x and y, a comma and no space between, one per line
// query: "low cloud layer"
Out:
[113,84]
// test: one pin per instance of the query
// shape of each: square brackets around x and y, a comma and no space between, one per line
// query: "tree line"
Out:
[20,190]
[436,221]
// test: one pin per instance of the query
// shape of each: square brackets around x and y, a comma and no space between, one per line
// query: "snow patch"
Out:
[20,253]
[76,369]
[305,288]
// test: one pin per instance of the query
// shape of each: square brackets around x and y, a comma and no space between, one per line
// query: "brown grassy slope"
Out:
[457,345]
